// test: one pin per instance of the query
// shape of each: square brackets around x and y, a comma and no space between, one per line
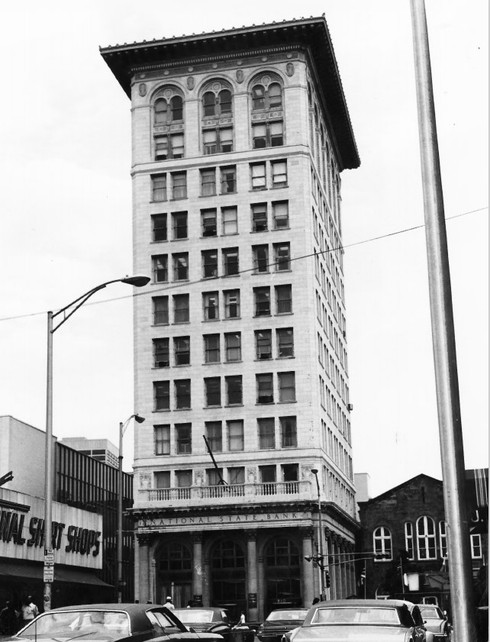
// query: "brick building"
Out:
[405,540]
[239,140]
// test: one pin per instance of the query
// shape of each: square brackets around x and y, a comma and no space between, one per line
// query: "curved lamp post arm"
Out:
[138,281]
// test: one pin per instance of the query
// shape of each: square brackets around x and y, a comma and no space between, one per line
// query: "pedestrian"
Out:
[169,604]
[9,619]
[29,611]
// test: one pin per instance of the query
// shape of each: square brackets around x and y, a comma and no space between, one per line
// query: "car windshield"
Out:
[194,615]
[431,612]
[286,615]
[67,625]
[356,615]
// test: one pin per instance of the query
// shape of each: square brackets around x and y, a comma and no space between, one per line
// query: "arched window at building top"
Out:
[168,107]
[426,538]
[266,95]
[216,101]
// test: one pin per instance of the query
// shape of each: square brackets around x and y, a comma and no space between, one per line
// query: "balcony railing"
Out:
[225,494]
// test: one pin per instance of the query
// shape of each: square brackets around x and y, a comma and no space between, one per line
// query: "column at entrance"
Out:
[309,586]
[252,586]
[197,570]
[144,567]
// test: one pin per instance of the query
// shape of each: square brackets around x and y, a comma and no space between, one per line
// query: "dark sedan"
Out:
[110,622]
[279,622]
[360,621]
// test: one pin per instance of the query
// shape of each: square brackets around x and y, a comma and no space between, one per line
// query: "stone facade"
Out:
[238,142]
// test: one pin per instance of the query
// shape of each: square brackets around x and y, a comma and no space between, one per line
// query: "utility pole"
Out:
[443,339]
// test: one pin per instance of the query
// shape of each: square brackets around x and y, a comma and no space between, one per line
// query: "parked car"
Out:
[110,622]
[279,622]
[212,619]
[360,621]
[435,622]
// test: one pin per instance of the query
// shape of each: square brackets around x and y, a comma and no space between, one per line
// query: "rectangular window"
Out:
[262,302]
[409,544]
[180,266]
[209,263]
[225,136]
[208,182]
[210,303]
[214,476]
[179,185]
[230,220]
[287,390]
[267,134]
[289,437]
[476,548]
[211,348]
[275,133]
[265,391]
[232,303]
[257,176]
[235,435]
[268,476]
[282,257]
[259,217]
[259,135]
[159,227]
[260,258]
[181,308]
[183,479]
[236,475]
[179,225]
[212,391]
[182,394]
[230,261]
[280,215]
[228,179]
[233,346]
[209,226]
[162,439]
[214,436]
[234,393]
[285,342]
[160,268]
[290,473]
[182,351]
[161,357]
[284,300]
[169,146]
[159,187]
[263,344]
[279,174]
[162,479]
[160,310]
[217,140]
[161,395]
[267,437]
[183,439]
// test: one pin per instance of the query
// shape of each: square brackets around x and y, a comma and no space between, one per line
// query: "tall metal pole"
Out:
[444,345]
[321,566]
[120,516]
[48,568]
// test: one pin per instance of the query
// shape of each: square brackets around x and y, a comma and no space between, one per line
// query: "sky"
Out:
[65,155]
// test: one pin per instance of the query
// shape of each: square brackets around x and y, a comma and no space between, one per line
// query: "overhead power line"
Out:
[174,286]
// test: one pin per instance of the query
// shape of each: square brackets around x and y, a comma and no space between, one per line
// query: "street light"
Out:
[48,568]
[122,428]
[321,566]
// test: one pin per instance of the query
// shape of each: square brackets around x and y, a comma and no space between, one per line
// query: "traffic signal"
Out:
[327,579]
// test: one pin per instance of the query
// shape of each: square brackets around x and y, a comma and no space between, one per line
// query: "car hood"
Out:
[351,633]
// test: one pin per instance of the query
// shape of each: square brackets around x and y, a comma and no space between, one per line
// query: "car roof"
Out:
[291,608]
[357,603]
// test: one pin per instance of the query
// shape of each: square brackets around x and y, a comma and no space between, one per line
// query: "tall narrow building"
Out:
[239,138]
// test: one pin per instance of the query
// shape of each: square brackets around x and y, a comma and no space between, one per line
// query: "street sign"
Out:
[48,559]
[48,574]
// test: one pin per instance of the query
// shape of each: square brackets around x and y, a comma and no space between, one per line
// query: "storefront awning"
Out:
[14,569]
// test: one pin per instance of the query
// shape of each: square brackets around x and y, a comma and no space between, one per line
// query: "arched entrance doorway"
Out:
[174,573]
[228,577]
[282,574]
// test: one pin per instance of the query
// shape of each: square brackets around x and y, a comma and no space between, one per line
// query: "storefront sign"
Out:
[76,534]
